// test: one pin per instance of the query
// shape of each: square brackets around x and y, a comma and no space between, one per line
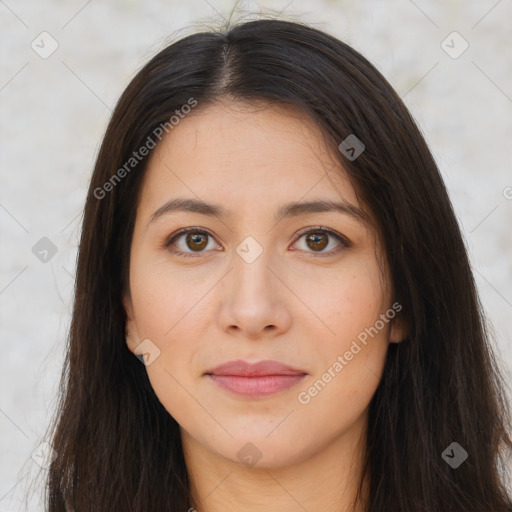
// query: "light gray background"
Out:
[54,112]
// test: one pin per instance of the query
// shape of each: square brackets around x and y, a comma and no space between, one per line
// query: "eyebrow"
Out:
[286,211]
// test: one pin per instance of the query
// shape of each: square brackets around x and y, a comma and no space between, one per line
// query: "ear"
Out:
[131,331]
[398,331]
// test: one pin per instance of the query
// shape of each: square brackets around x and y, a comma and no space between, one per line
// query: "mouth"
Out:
[260,379]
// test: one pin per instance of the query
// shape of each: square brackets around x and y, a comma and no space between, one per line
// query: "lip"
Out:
[254,380]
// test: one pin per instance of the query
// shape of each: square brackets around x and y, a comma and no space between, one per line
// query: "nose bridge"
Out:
[252,300]
[251,270]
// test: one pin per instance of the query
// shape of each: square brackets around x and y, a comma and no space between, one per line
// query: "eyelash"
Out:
[345,243]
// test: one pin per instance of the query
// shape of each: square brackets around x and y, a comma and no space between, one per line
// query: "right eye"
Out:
[196,240]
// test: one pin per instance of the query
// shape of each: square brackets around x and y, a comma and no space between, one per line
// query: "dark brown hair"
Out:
[120,450]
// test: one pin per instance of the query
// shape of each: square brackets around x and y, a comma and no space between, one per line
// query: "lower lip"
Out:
[257,386]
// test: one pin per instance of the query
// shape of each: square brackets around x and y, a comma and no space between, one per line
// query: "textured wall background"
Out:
[55,106]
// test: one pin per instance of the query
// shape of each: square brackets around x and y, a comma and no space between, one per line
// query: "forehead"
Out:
[250,155]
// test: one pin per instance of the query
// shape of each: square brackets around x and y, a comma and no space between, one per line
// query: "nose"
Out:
[254,301]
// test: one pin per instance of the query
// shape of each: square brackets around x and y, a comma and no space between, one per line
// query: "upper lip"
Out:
[261,368]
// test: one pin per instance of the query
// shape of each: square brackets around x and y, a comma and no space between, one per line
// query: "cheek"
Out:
[164,316]
[171,311]
[343,301]
[164,298]
[352,352]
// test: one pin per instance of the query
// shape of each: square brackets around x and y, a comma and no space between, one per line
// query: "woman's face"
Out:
[257,281]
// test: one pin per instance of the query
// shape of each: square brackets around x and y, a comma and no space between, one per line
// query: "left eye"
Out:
[196,240]
[318,239]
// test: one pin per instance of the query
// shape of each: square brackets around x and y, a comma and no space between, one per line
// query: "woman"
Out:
[274,307]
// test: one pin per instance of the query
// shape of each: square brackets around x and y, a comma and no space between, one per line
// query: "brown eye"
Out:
[188,241]
[196,241]
[193,241]
[317,241]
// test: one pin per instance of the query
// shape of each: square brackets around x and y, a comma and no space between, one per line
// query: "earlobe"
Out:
[398,331]
[131,333]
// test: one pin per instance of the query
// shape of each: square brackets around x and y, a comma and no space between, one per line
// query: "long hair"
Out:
[119,449]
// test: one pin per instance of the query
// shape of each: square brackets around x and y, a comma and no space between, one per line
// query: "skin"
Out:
[214,306]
